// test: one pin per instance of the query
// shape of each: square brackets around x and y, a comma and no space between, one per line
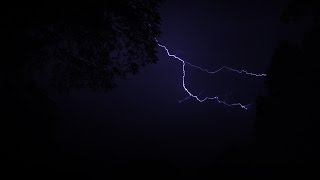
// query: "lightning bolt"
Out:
[215,98]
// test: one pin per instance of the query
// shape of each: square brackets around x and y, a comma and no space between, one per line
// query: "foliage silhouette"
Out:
[83,45]
[287,117]
[74,45]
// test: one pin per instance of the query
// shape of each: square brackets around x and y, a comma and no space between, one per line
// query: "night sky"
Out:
[142,121]
[144,111]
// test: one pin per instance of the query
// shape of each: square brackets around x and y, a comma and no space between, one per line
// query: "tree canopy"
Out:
[287,117]
[73,45]
[83,45]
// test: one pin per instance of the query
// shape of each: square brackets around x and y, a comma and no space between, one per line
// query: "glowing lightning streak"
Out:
[210,72]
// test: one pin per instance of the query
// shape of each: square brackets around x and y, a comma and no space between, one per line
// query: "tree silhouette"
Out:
[73,45]
[83,45]
[287,115]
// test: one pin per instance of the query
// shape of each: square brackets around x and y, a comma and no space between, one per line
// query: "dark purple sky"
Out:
[142,117]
